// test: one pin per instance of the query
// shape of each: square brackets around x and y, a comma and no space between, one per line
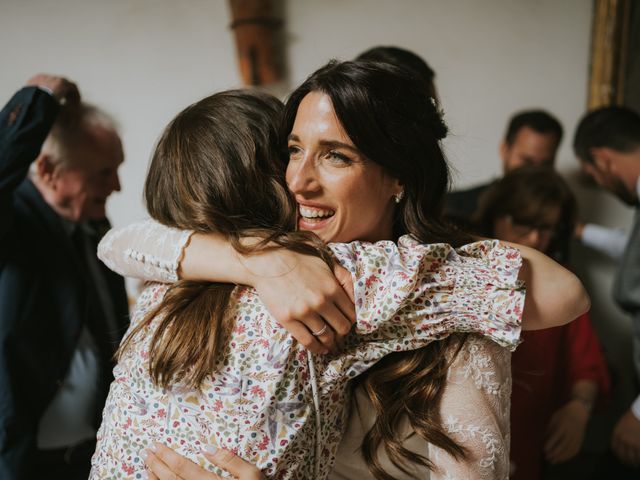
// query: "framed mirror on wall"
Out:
[614,77]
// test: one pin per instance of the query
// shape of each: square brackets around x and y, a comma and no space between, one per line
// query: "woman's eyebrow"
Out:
[337,144]
[326,143]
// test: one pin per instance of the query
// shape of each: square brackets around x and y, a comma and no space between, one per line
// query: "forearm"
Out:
[211,257]
[555,296]
[24,124]
[151,251]
[610,241]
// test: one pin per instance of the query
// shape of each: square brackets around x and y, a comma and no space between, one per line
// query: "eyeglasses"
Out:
[523,228]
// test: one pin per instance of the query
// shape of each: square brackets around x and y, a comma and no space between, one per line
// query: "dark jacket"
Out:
[462,204]
[44,294]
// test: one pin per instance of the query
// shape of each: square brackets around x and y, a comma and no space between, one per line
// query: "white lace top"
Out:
[282,408]
[474,410]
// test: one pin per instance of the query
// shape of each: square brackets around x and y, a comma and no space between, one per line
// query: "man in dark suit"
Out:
[607,144]
[532,138]
[62,313]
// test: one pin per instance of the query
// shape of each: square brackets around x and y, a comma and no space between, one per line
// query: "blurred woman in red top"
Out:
[559,373]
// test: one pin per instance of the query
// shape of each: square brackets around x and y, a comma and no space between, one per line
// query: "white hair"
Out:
[73,126]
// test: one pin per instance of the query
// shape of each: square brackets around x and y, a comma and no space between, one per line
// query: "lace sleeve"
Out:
[475,412]
[146,250]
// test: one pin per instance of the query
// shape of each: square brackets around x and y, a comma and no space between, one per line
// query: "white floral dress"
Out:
[271,401]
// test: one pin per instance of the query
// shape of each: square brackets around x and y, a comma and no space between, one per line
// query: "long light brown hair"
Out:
[394,123]
[216,168]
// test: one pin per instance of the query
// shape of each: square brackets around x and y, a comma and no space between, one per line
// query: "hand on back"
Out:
[314,303]
[165,464]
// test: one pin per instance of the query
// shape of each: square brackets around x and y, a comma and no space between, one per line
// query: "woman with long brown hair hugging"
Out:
[364,164]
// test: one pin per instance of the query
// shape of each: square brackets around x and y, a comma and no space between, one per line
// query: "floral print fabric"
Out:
[271,401]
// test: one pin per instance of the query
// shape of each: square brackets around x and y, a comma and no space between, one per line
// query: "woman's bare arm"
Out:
[555,296]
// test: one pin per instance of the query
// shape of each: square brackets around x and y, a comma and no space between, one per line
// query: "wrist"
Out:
[585,403]
[266,265]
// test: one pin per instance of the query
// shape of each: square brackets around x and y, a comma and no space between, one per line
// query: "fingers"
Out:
[625,441]
[301,333]
[331,315]
[621,451]
[233,464]
[65,91]
[345,299]
[553,447]
[169,465]
[157,467]
[564,451]
[348,310]
[306,297]
[150,474]
[345,280]
[317,310]
[322,330]
[625,451]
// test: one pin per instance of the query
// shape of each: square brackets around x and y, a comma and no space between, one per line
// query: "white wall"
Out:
[141,60]
[146,59]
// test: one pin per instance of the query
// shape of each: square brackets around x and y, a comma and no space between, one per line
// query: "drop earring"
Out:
[399,196]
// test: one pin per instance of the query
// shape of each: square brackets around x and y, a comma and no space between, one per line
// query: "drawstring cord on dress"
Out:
[316,403]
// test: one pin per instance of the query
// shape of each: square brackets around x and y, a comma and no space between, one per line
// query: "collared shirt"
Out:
[635,406]
[610,241]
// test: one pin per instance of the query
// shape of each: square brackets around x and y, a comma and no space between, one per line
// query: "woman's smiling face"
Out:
[342,196]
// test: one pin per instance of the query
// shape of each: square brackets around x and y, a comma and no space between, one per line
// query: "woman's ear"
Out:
[398,187]
[398,190]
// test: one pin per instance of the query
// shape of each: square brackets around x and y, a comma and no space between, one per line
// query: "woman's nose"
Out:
[302,176]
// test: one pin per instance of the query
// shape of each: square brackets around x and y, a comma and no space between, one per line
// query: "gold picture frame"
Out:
[615,63]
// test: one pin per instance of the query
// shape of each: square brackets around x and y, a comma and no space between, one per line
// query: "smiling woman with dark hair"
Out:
[364,163]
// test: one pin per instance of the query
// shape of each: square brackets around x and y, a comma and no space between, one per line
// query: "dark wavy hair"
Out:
[389,117]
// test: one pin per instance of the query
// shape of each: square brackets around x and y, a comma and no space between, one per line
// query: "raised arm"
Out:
[25,123]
